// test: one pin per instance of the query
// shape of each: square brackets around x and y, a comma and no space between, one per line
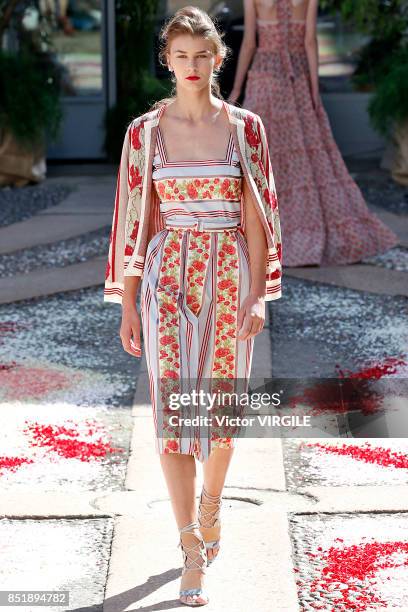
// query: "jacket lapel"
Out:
[150,205]
[238,132]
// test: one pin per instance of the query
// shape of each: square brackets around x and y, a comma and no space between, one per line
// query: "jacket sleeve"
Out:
[274,265]
[114,272]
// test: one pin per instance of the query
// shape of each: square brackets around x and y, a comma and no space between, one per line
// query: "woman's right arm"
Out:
[247,50]
[130,327]
[312,49]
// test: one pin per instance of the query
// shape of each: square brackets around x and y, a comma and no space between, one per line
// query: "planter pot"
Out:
[399,168]
[20,165]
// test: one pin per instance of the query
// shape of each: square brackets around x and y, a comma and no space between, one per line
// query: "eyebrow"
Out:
[180,51]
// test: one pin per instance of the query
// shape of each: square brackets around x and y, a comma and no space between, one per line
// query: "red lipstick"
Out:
[193,78]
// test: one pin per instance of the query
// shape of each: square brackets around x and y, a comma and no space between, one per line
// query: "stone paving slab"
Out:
[361,277]
[56,555]
[84,210]
[46,281]
[139,579]
[145,566]
[398,223]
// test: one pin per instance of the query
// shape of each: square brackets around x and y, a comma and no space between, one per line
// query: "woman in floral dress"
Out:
[204,281]
[324,218]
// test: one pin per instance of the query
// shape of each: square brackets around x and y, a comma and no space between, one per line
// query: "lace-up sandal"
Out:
[208,517]
[194,558]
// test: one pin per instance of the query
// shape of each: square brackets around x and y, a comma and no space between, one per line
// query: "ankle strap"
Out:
[211,497]
[189,527]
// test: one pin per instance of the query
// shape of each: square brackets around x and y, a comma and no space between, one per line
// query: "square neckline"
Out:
[192,161]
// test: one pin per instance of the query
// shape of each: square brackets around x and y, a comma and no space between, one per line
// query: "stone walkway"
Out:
[83,501]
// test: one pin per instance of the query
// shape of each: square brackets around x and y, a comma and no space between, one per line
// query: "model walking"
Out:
[196,216]
[324,217]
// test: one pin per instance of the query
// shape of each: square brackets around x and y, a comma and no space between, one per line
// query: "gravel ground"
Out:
[379,189]
[20,203]
[17,204]
[76,331]
[377,462]
[351,561]
[66,388]
[316,328]
[393,259]
[57,254]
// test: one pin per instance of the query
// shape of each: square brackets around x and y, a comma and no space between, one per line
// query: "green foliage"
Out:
[135,22]
[118,118]
[389,104]
[137,88]
[383,62]
[29,97]
[382,19]
[385,22]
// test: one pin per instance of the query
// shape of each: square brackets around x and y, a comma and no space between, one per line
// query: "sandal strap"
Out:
[212,497]
[199,560]
[209,515]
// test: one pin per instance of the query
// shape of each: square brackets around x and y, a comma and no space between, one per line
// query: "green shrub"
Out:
[29,97]
[389,104]
[149,90]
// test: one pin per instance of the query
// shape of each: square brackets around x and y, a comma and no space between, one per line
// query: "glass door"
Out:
[82,34]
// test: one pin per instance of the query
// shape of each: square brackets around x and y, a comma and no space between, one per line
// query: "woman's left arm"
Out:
[251,315]
[312,50]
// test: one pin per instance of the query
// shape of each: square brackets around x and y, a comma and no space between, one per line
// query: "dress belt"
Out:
[202,226]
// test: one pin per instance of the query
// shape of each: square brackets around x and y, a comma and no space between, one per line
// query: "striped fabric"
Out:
[196,276]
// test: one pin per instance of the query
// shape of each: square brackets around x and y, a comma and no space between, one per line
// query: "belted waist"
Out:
[201,226]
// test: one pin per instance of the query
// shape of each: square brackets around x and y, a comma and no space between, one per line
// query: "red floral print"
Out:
[136,136]
[135,178]
[252,137]
[135,230]
[203,189]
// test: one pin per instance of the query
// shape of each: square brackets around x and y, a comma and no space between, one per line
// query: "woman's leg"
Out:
[180,474]
[215,470]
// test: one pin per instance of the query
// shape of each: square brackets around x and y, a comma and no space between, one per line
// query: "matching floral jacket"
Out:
[137,217]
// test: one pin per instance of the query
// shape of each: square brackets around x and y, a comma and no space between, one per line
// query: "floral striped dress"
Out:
[196,276]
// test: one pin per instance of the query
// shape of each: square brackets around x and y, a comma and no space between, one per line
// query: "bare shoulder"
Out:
[138,121]
[244,113]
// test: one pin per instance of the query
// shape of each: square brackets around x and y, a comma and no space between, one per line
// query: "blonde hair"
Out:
[196,22]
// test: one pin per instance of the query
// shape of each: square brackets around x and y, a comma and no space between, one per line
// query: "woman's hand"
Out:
[314,91]
[130,330]
[234,95]
[251,317]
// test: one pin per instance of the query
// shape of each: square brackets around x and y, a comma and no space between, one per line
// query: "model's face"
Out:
[192,56]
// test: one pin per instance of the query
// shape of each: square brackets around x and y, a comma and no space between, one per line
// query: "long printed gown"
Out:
[324,217]
[196,276]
